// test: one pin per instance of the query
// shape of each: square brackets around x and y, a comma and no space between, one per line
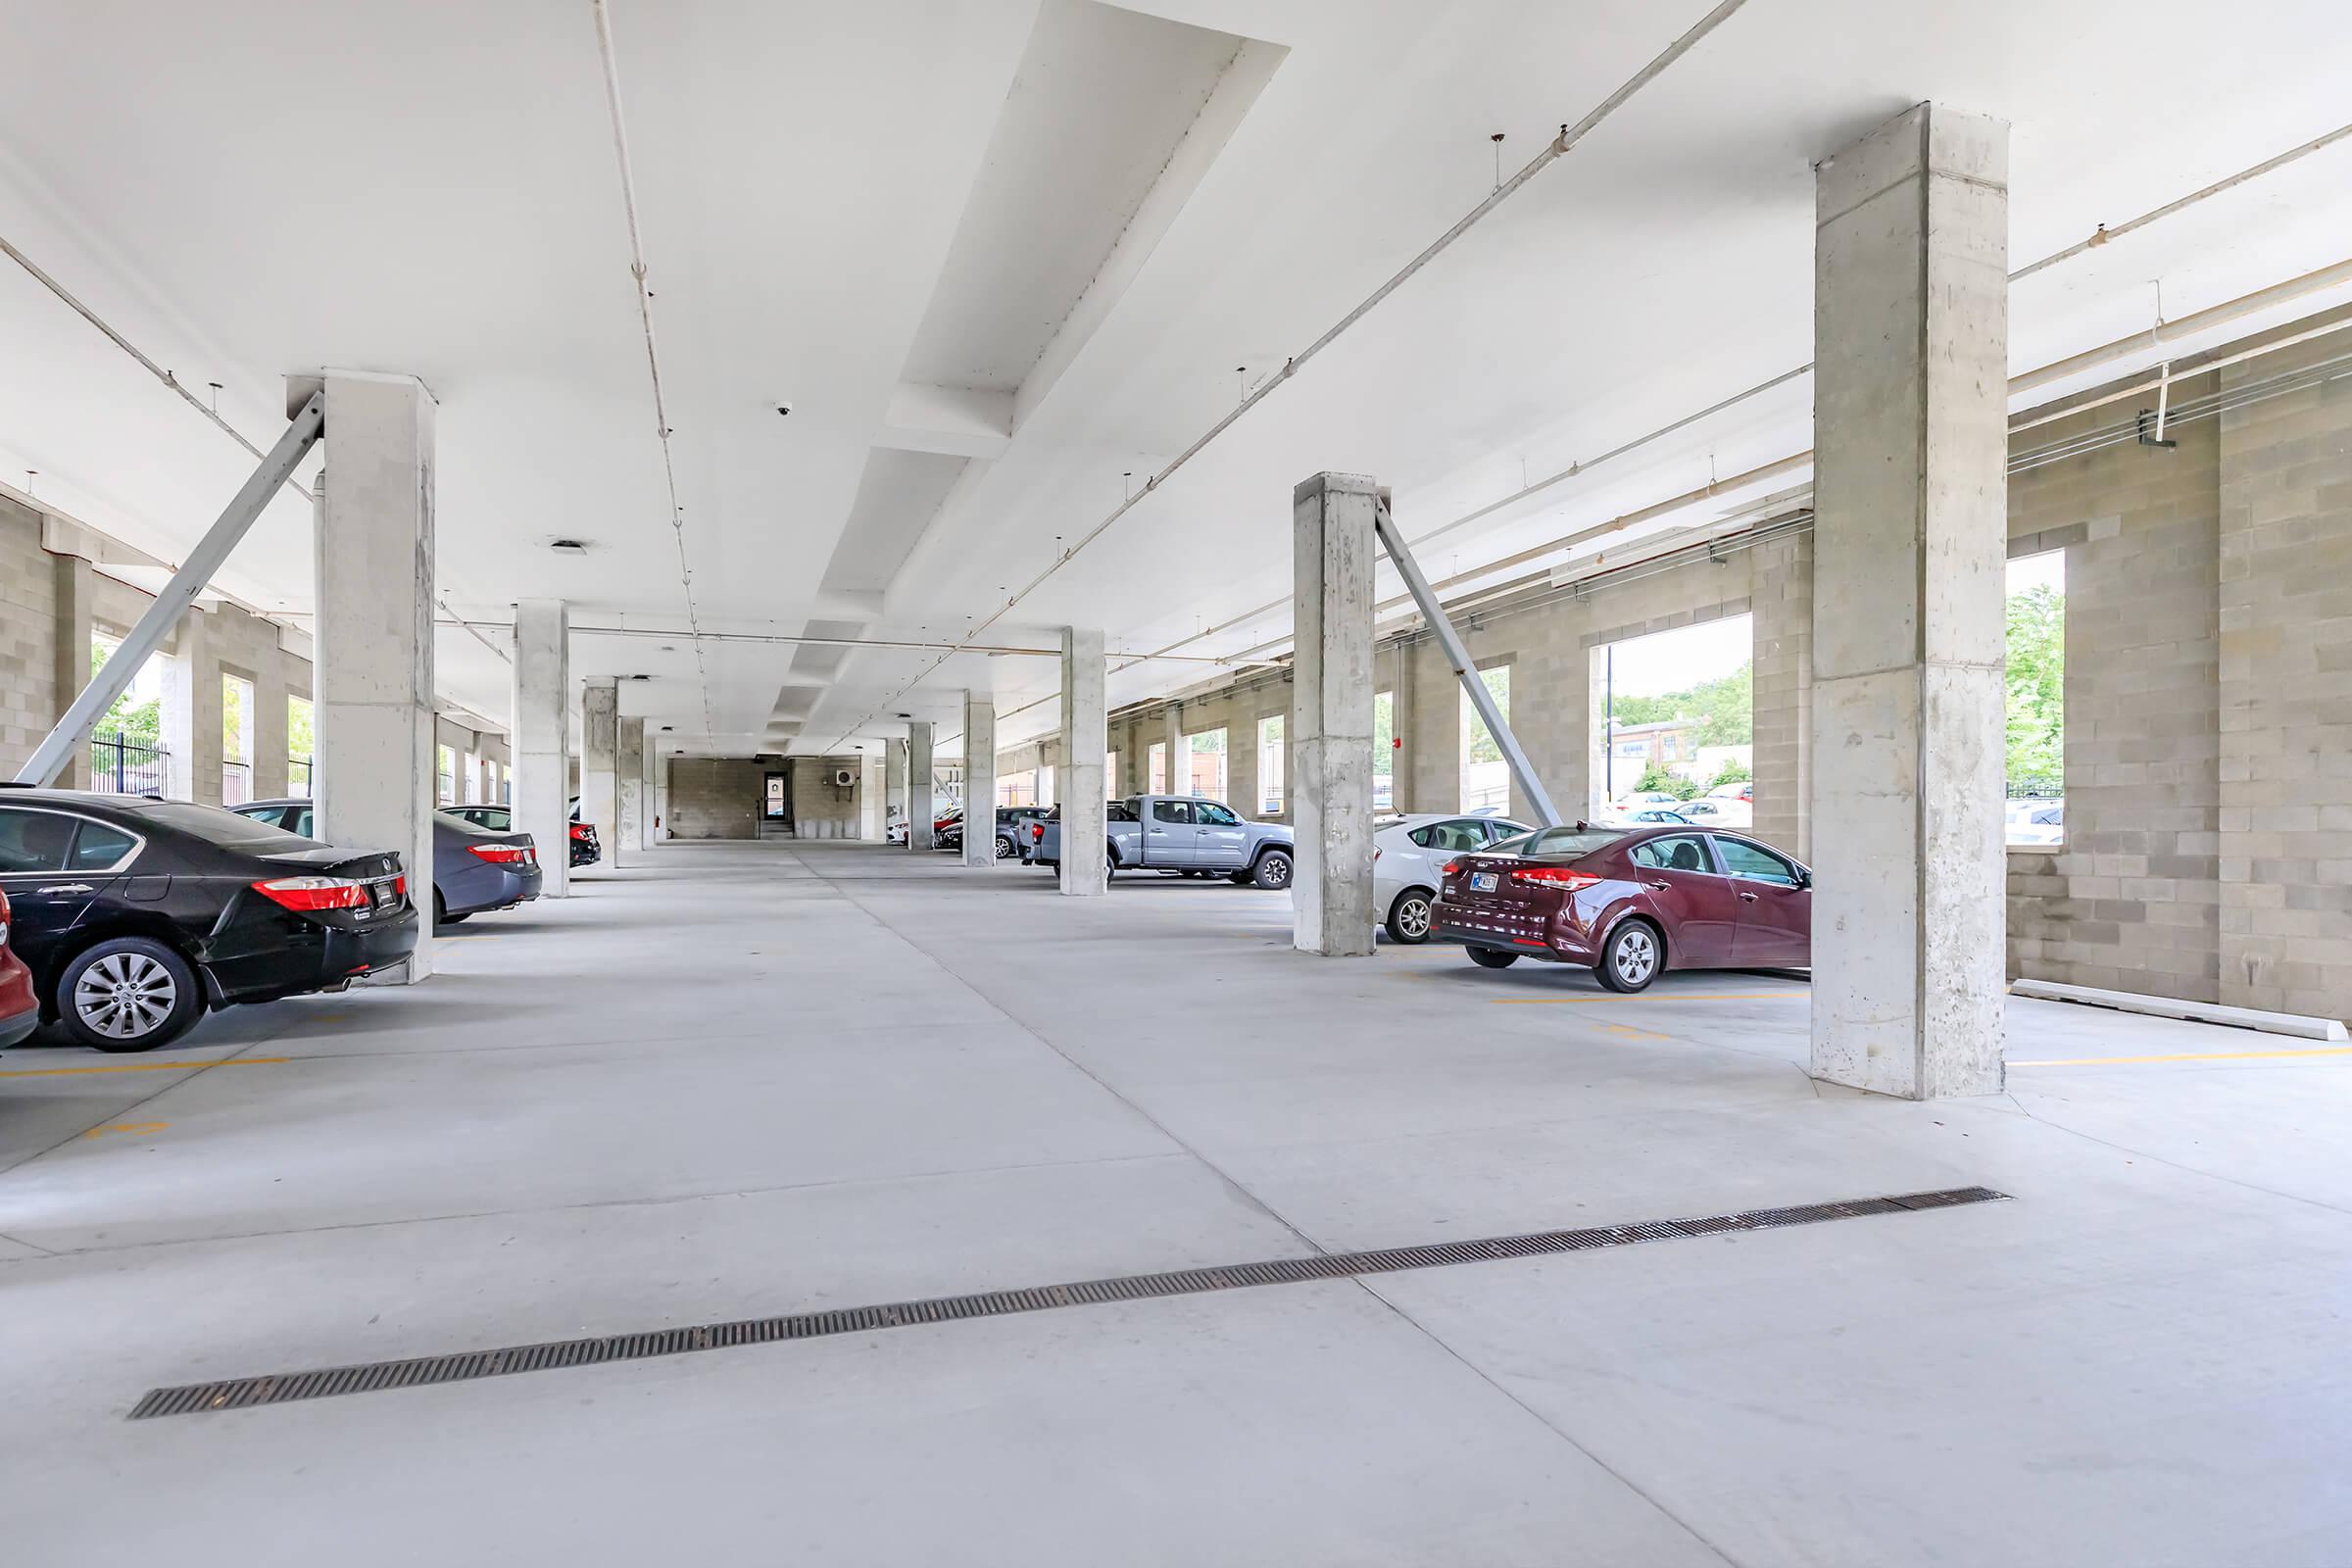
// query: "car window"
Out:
[270,815]
[99,848]
[1754,862]
[34,841]
[214,825]
[299,820]
[1570,841]
[1171,811]
[1498,829]
[1516,845]
[1215,815]
[1680,853]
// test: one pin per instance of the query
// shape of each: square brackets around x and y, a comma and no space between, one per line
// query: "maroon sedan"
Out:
[20,1004]
[1630,904]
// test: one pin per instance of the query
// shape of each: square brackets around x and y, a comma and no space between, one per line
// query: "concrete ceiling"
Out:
[1000,254]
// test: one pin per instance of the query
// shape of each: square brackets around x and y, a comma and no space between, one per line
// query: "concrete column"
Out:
[870,795]
[979,778]
[71,587]
[894,782]
[268,721]
[188,719]
[1179,781]
[1910,419]
[599,763]
[1332,555]
[1783,691]
[539,733]
[1084,737]
[371,666]
[920,810]
[662,769]
[629,783]
[648,771]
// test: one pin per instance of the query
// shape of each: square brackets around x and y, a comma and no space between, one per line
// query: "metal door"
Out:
[1223,839]
[1691,896]
[1171,840]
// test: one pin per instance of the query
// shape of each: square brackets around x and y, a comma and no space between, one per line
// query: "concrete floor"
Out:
[757,1079]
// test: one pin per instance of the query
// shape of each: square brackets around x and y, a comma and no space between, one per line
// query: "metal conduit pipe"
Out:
[1557,148]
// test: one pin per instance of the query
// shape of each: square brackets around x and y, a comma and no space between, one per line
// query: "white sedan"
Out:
[1409,856]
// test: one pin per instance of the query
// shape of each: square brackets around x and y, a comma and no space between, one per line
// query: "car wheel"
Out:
[1492,958]
[1409,917]
[128,994]
[1273,871]
[1005,849]
[1632,956]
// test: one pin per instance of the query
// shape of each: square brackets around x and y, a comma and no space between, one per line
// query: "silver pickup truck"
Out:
[1182,834]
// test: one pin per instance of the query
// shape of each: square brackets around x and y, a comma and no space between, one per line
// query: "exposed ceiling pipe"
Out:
[1558,147]
[1574,469]
[2164,334]
[653,355]
[848,642]
[2107,237]
[148,364]
[2337,319]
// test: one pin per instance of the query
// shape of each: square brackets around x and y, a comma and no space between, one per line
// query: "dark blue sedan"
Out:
[474,869]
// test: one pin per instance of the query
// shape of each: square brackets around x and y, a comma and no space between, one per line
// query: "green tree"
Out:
[140,723]
[1733,771]
[2036,729]
[1724,707]
[1657,777]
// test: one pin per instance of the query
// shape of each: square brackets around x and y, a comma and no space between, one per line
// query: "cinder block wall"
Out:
[821,808]
[716,798]
[2285,656]
[2131,899]
[29,704]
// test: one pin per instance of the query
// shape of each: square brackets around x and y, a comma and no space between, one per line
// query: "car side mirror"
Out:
[1804,879]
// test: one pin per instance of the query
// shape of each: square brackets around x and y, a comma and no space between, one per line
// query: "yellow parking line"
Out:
[2195,1055]
[1711,995]
[145,1067]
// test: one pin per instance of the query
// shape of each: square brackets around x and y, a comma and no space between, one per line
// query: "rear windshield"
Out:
[1117,811]
[1568,841]
[215,826]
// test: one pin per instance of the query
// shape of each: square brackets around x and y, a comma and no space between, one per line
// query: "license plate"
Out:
[385,895]
[1482,881]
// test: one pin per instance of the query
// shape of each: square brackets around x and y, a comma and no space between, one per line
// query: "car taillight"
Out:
[1554,876]
[1036,832]
[579,831]
[310,893]
[501,854]
[1450,867]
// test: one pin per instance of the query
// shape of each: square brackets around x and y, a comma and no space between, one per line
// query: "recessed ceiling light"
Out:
[570,547]
[666,728]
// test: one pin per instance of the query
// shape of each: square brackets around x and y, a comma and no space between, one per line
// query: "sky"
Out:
[1677,659]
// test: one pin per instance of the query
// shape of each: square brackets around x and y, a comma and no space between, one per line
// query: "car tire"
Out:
[1272,871]
[1005,847]
[1631,958]
[134,982]
[1492,958]
[1409,917]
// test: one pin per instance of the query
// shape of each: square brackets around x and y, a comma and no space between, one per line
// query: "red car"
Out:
[19,1004]
[1630,904]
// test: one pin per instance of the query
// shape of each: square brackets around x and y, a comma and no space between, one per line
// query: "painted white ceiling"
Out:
[1000,254]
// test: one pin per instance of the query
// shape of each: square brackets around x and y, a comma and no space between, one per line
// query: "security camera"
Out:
[783,408]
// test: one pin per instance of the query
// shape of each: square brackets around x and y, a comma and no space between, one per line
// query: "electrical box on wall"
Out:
[843,778]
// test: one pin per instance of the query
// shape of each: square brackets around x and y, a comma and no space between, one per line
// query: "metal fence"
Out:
[298,776]
[122,765]
[236,783]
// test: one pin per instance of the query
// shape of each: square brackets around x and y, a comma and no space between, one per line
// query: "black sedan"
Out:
[135,915]
[1013,824]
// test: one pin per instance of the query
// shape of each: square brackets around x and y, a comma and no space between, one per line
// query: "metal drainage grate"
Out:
[280,1388]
